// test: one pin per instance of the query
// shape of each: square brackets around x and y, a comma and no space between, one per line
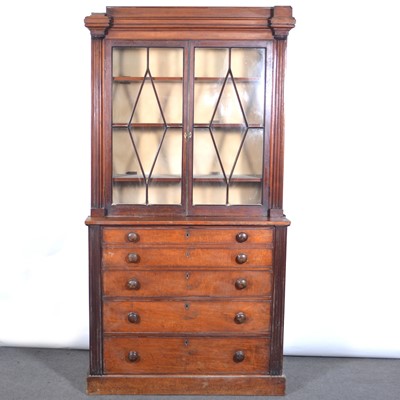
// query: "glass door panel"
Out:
[147,122]
[229,108]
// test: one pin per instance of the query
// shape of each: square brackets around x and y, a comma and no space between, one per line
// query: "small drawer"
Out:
[180,355]
[186,257]
[187,283]
[186,316]
[149,236]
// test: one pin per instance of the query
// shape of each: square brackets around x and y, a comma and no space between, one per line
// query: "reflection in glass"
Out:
[170,97]
[211,63]
[124,97]
[166,62]
[129,61]
[244,193]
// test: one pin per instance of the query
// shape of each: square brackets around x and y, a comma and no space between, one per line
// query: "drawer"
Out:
[187,283]
[152,355]
[186,257]
[186,316]
[149,236]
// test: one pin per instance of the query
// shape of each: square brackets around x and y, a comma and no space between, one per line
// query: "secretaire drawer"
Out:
[187,283]
[186,316]
[186,257]
[144,236]
[139,355]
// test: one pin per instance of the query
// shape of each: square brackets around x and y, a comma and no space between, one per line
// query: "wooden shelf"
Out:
[138,79]
[226,126]
[219,178]
[137,178]
[180,126]
[147,126]
[173,79]
[210,79]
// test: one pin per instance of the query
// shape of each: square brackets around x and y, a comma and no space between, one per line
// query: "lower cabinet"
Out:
[191,306]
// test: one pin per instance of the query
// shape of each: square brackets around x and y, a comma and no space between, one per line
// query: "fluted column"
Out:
[98,25]
[281,23]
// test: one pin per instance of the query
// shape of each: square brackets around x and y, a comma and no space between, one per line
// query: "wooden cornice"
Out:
[98,25]
[282,22]
[178,18]
[192,22]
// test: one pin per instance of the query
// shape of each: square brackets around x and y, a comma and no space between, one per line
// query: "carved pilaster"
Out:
[98,25]
[95,315]
[278,301]
[278,132]
[282,22]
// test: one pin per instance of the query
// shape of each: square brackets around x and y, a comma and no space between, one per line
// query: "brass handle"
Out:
[134,318]
[133,356]
[133,258]
[241,237]
[240,318]
[239,356]
[241,258]
[133,237]
[240,284]
[133,284]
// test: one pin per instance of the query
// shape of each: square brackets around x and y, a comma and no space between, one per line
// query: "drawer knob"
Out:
[240,318]
[134,318]
[241,284]
[133,237]
[241,258]
[133,284]
[133,356]
[133,258]
[238,356]
[241,237]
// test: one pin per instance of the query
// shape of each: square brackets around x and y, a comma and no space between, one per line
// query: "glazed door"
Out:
[148,115]
[230,128]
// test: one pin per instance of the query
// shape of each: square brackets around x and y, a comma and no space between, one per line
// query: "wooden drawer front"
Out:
[185,257]
[186,316]
[187,283]
[145,236]
[185,355]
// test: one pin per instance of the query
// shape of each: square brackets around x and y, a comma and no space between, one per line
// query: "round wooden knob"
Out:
[240,284]
[133,258]
[240,318]
[241,258]
[133,237]
[238,356]
[241,237]
[134,318]
[133,284]
[133,356]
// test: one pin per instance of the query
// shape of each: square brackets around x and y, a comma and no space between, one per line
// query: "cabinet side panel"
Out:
[278,301]
[95,308]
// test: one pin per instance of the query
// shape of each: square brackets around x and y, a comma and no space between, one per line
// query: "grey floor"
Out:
[49,374]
